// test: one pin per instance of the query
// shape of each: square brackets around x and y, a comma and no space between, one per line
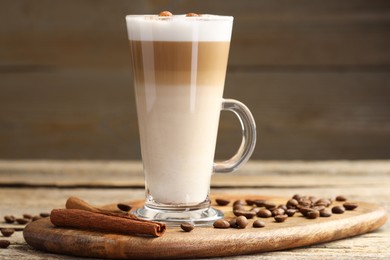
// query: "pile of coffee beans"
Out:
[23,220]
[310,207]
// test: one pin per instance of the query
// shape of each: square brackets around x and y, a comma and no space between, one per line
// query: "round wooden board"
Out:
[296,231]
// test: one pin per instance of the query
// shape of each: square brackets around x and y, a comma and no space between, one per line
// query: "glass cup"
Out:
[179,67]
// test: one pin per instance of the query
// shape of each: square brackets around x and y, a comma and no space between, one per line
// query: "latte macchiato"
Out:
[179,80]
[179,65]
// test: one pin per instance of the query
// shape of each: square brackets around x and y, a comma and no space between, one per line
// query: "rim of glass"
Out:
[202,17]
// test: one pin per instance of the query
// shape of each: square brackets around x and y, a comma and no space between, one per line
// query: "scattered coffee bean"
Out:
[305,202]
[290,212]
[297,197]
[241,221]
[249,202]
[246,213]
[341,198]
[9,219]
[259,203]
[239,202]
[233,223]
[4,243]
[319,208]
[280,218]
[312,214]
[292,203]
[304,210]
[258,223]
[44,214]
[222,202]
[7,232]
[22,221]
[238,207]
[322,202]
[124,207]
[187,227]
[35,218]
[221,223]
[264,213]
[277,211]
[255,210]
[338,209]
[325,213]
[269,205]
[27,216]
[350,205]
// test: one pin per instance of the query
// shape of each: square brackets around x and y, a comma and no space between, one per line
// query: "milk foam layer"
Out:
[179,28]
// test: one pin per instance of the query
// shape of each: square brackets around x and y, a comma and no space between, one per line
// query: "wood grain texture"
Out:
[207,242]
[315,75]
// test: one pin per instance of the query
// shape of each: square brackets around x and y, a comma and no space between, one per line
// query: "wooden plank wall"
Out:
[315,74]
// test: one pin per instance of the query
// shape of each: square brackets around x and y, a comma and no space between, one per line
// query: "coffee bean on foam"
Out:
[165,13]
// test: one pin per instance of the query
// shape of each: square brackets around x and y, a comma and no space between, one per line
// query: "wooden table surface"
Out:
[39,186]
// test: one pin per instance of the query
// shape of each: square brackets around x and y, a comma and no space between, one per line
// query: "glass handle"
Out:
[248,142]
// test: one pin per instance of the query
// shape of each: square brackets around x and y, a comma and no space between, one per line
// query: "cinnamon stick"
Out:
[107,222]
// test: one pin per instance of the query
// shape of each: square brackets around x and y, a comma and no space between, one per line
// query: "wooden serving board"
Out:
[296,231]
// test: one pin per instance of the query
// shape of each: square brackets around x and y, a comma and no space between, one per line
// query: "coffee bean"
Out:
[319,208]
[22,221]
[187,227]
[312,214]
[280,218]
[233,223]
[304,202]
[9,219]
[222,202]
[269,205]
[282,206]
[322,202]
[313,199]
[246,213]
[255,210]
[221,223]
[165,13]
[4,243]
[277,211]
[242,221]
[249,202]
[35,218]
[338,209]
[238,207]
[124,207]
[325,213]
[260,203]
[258,223]
[249,214]
[350,205]
[304,210]
[239,202]
[44,214]
[290,212]
[7,232]
[341,198]
[27,216]
[264,213]
[297,197]
[292,203]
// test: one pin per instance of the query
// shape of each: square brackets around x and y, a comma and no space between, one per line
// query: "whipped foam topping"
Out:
[205,27]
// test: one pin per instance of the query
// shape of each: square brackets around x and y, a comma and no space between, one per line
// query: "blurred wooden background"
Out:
[314,73]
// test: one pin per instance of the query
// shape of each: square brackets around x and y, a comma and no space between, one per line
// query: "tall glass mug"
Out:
[179,67]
